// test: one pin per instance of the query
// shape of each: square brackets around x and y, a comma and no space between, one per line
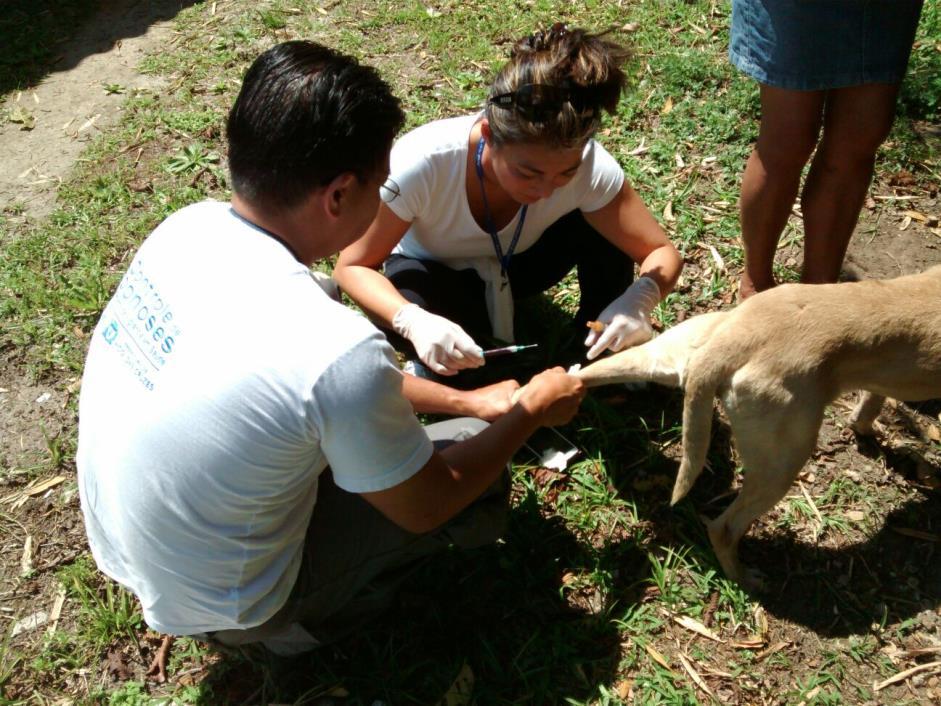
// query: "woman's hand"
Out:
[627,319]
[441,344]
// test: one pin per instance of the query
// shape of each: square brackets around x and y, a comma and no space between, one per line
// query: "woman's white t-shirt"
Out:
[429,166]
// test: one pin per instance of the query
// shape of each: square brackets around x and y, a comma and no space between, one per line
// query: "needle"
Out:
[507,350]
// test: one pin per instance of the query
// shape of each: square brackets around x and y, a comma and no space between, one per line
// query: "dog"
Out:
[775,361]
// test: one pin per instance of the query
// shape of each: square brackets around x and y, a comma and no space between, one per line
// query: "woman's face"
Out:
[530,172]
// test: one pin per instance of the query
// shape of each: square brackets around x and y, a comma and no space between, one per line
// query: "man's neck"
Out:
[280,225]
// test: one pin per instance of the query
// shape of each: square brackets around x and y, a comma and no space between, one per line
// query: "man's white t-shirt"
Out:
[220,382]
[429,166]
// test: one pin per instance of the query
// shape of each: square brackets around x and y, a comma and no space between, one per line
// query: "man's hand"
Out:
[441,344]
[490,402]
[553,396]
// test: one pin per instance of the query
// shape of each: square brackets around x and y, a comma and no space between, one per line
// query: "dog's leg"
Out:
[867,409]
[773,451]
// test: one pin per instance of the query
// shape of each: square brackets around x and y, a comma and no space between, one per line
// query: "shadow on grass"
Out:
[499,610]
[884,581]
[502,610]
[39,37]
[856,588]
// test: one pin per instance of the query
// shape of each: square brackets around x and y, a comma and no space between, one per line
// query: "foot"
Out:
[747,287]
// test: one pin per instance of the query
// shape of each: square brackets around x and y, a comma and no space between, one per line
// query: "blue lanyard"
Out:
[488,218]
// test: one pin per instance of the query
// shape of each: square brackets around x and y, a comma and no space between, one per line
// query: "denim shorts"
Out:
[811,45]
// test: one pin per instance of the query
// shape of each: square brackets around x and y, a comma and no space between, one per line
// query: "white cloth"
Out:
[429,164]
[219,383]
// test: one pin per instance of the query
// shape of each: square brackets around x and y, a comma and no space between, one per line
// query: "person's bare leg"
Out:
[790,124]
[857,120]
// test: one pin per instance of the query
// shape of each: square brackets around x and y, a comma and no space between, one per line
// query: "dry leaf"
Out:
[657,657]
[687,665]
[751,643]
[761,619]
[776,647]
[720,263]
[34,488]
[630,27]
[22,117]
[810,696]
[26,560]
[545,477]
[459,693]
[668,212]
[624,688]
[917,534]
[56,610]
[667,106]
[906,222]
[902,676]
[696,627]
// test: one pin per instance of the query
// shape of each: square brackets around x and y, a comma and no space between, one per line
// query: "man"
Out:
[249,462]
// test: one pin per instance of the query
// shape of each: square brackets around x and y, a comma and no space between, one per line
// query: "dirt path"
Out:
[71,104]
[69,107]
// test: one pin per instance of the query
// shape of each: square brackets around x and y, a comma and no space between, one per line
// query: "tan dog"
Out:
[775,362]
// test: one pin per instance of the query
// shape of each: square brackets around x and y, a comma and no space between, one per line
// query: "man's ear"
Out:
[338,192]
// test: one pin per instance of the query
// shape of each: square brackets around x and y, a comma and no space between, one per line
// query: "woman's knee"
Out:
[785,154]
[853,147]
[858,121]
[789,129]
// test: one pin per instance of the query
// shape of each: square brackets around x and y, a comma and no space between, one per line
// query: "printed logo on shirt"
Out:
[111,332]
[144,316]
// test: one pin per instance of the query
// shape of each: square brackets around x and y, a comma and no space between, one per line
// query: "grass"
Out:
[582,598]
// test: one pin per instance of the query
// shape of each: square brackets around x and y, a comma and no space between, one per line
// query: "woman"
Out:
[828,63]
[484,209]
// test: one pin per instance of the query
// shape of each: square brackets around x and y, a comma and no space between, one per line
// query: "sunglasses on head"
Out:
[540,102]
[539,40]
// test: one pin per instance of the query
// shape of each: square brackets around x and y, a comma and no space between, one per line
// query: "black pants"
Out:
[603,273]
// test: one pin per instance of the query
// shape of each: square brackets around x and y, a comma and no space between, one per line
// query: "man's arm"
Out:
[487,403]
[452,479]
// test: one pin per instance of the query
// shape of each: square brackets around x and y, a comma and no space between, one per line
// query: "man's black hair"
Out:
[305,115]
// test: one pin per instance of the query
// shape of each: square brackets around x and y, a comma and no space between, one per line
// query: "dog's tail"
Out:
[662,360]
[697,427]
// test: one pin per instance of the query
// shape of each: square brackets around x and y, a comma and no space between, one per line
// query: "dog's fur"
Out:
[774,362]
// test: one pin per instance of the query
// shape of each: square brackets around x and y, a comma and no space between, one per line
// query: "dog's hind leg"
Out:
[773,453]
[864,415]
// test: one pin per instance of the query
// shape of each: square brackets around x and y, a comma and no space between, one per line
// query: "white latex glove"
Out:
[627,319]
[441,344]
